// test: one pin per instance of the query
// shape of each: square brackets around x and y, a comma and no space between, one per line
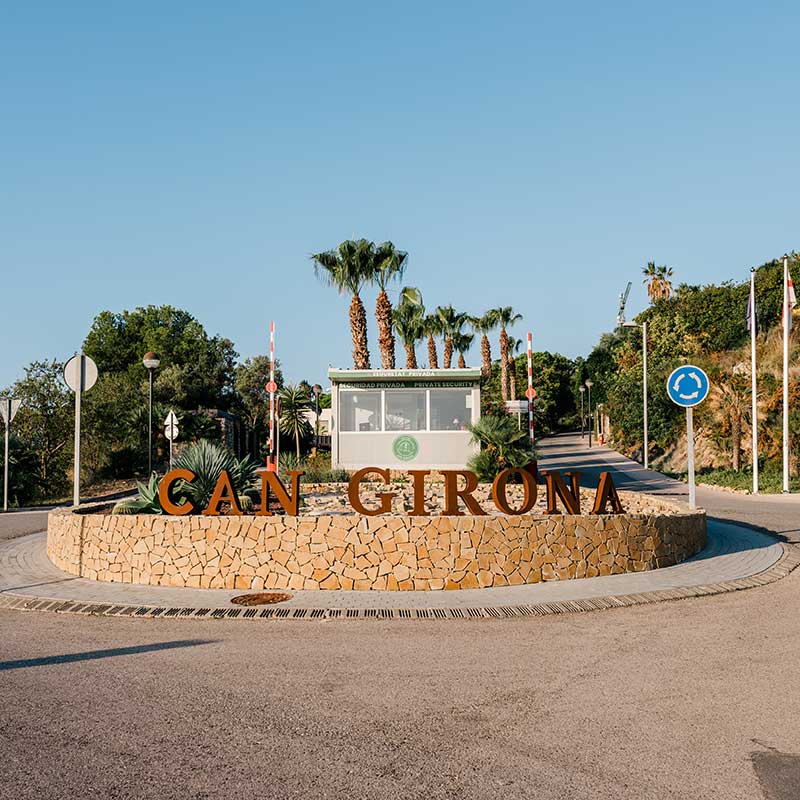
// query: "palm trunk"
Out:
[512,379]
[358,330]
[411,356]
[486,354]
[297,443]
[503,364]
[383,316]
[433,358]
[461,363]
[448,351]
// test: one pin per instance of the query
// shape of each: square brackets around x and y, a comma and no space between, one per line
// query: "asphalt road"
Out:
[691,699]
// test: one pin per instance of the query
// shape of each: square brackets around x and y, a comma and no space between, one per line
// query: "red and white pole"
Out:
[271,387]
[530,393]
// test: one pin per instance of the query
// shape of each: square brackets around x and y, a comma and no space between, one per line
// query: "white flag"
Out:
[791,300]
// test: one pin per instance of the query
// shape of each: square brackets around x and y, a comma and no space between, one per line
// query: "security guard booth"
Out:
[403,418]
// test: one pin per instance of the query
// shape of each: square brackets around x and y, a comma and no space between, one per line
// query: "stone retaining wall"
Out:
[357,552]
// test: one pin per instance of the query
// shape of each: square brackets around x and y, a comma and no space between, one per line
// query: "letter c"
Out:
[165,496]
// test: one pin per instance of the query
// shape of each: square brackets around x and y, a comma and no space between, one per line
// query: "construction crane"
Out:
[623,299]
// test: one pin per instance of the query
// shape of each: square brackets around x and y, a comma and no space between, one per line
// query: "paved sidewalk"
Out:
[733,556]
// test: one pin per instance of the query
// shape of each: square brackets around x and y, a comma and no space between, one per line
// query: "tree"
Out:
[294,405]
[485,325]
[462,343]
[729,400]
[44,424]
[252,396]
[409,320]
[390,264]
[433,328]
[513,346]
[506,317]
[451,322]
[347,269]
[659,285]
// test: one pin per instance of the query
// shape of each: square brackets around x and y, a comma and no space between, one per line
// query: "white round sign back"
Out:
[80,371]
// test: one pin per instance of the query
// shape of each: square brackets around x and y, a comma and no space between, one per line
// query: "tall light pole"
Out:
[583,415]
[588,383]
[151,363]
[643,326]
[317,389]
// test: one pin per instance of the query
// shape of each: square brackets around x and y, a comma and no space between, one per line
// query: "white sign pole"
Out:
[754,377]
[7,402]
[76,480]
[690,448]
[787,319]
[644,396]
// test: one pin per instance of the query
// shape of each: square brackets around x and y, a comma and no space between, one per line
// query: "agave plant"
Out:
[146,503]
[207,461]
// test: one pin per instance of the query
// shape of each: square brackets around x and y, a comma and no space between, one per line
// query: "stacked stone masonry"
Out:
[357,552]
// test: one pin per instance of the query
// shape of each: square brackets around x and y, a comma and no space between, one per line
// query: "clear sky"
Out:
[526,154]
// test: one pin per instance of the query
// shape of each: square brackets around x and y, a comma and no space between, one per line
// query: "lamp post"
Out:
[583,415]
[643,326]
[151,362]
[317,390]
[589,385]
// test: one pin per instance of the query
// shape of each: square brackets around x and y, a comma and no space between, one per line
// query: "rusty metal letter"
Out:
[499,491]
[557,488]
[607,492]
[419,491]
[223,493]
[355,500]
[452,493]
[271,481]
[165,496]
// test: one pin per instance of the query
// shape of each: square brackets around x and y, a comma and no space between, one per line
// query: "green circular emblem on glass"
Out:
[405,448]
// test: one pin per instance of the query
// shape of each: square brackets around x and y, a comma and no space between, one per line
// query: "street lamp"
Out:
[151,363]
[589,385]
[643,326]
[317,389]
[583,415]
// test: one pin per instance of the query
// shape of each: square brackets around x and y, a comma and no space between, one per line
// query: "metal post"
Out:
[644,395]
[591,419]
[787,311]
[150,429]
[76,479]
[583,415]
[7,401]
[316,429]
[754,378]
[690,448]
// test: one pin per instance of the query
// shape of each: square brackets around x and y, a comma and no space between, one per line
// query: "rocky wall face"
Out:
[357,552]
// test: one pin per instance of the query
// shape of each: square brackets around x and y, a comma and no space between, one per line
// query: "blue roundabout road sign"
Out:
[687,386]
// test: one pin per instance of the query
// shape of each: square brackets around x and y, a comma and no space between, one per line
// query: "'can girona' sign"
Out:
[459,489]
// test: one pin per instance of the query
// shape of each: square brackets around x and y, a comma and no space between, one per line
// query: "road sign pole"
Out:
[644,394]
[690,450]
[76,478]
[7,401]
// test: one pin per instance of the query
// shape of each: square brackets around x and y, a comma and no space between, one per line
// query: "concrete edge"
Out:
[788,562]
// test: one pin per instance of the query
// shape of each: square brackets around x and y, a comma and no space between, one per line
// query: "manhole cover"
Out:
[260,598]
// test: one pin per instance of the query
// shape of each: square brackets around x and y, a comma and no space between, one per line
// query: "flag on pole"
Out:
[751,310]
[791,296]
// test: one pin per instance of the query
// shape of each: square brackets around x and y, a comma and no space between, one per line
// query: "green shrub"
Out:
[503,445]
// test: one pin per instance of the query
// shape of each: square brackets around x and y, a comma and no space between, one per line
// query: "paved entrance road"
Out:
[692,699]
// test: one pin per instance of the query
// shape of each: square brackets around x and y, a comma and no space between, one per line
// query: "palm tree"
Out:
[505,318]
[728,399]
[449,320]
[433,328]
[659,285]
[348,268]
[462,342]
[390,264]
[485,325]
[513,348]
[295,402]
[409,320]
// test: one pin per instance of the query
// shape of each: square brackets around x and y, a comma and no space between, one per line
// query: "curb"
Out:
[788,561]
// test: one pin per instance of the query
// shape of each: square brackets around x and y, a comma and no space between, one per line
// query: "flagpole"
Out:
[786,320]
[754,381]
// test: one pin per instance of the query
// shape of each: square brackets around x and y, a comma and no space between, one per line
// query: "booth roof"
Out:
[367,375]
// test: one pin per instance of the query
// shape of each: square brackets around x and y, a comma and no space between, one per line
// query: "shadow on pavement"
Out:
[91,655]
[778,773]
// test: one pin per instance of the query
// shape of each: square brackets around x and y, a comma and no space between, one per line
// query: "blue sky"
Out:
[524,154]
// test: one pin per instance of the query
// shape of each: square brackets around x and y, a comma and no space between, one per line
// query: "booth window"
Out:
[450,409]
[406,411]
[360,410]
